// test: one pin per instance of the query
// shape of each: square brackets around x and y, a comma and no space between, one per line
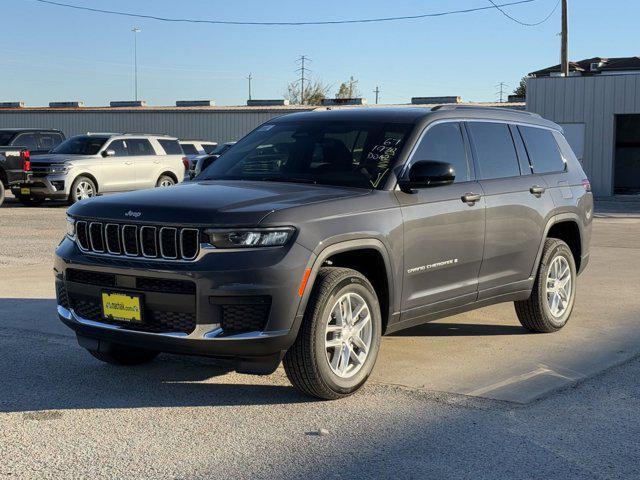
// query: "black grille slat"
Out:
[148,241]
[96,237]
[82,235]
[244,318]
[91,278]
[61,295]
[165,285]
[112,238]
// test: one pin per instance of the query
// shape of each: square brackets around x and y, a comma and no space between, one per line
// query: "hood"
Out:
[49,158]
[209,203]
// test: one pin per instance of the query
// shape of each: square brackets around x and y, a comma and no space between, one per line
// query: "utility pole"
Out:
[500,92]
[377,92]
[135,31]
[249,78]
[303,70]
[564,48]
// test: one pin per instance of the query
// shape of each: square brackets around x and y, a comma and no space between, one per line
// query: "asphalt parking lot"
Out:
[471,396]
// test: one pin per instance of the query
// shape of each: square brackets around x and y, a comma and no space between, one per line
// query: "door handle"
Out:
[471,198]
[537,190]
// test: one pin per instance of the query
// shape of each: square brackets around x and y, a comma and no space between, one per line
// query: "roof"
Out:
[583,67]
[24,129]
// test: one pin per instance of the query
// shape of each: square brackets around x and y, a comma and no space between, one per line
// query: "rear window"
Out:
[543,150]
[26,140]
[189,149]
[49,140]
[5,138]
[495,150]
[171,147]
[139,146]
[209,147]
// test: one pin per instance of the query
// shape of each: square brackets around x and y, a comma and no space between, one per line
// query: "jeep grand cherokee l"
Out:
[321,231]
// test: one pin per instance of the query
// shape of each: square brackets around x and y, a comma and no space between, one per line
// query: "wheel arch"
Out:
[89,176]
[168,173]
[568,228]
[367,256]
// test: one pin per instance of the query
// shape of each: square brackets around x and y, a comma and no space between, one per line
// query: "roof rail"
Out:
[146,133]
[480,107]
[103,133]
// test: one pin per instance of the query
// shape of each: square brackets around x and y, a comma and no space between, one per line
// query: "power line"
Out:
[499,8]
[321,22]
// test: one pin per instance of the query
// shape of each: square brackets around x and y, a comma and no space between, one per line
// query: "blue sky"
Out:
[51,53]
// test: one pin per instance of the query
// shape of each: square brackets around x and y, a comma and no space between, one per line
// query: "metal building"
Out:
[601,118]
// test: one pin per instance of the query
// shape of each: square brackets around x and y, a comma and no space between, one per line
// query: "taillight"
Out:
[26,160]
[185,162]
[586,184]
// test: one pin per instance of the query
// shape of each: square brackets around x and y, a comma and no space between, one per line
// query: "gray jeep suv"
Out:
[321,231]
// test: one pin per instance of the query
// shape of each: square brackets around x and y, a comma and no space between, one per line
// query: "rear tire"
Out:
[2,194]
[81,189]
[119,355]
[336,349]
[551,302]
[165,181]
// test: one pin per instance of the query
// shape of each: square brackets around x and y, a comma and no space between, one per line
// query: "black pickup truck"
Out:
[16,147]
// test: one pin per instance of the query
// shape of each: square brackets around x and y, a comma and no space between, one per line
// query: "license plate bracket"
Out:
[122,307]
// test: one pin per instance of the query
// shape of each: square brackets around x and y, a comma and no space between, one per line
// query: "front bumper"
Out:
[52,186]
[218,277]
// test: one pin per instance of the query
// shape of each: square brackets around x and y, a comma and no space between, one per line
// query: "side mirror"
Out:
[108,153]
[426,174]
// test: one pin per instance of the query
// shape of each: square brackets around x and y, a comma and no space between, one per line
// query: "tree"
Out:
[348,89]
[314,92]
[521,90]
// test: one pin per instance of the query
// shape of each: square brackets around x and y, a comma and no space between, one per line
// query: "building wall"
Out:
[217,125]
[593,101]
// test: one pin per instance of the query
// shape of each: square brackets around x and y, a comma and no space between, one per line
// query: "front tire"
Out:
[81,189]
[124,356]
[339,338]
[551,302]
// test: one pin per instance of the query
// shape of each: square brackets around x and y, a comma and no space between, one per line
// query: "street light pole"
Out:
[135,31]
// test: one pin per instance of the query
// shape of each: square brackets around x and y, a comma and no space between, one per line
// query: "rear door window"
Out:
[444,143]
[495,151]
[26,140]
[139,146]
[171,147]
[543,150]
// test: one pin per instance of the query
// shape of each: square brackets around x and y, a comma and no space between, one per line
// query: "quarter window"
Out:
[26,140]
[444,143]
[189,149]
[495,151]
[139,146]
[171,147]
[543,150]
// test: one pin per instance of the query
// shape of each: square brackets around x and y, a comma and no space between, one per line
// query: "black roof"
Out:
[23,129]
[584,66]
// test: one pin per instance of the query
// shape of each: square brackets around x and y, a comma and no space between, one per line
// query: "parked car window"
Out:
[189,149]
[543,150]
[139,146]
[49,140]
[171,147]
[314,152]
[119,147]
[26,140]
[495,150]
[209,147]
[5,138]
[444,143]
[523,158]
[81,145]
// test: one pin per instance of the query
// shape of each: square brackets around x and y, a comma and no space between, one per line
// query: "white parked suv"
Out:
[87,165]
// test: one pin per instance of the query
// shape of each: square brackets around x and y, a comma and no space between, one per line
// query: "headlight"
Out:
[71,228]
[62,168]
[250,237]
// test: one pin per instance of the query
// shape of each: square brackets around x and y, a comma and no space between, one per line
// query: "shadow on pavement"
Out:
[460,330]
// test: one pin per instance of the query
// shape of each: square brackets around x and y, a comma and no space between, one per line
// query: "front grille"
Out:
[154,321]
[166,286]
[61,295]
[148,284]
[244,318]
[146,241]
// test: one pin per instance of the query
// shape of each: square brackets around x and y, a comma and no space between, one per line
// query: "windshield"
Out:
[352,154]
[5,138]
[81,145]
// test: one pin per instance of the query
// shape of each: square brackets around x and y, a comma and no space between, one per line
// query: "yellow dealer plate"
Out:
[25,191]
[121,307]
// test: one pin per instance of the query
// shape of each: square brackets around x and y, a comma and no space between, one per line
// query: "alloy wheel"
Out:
[559,283]
[84,190]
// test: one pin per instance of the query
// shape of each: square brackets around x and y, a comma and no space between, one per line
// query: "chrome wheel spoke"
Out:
[558,286]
